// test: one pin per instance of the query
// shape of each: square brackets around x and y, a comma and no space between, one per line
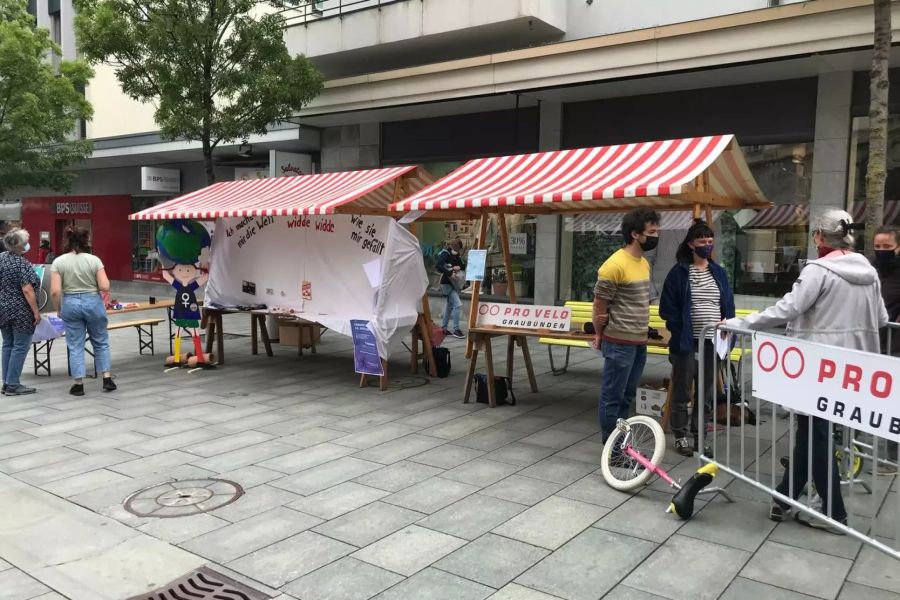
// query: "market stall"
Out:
[696,174]
[320,249]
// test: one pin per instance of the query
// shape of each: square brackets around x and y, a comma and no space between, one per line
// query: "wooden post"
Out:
[425,327]
[476,286]
[507,257]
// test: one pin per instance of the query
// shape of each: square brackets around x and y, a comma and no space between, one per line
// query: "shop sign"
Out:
[524,316]
[850,387]
[518,243]
[154,179]
[289,164]
[72,208]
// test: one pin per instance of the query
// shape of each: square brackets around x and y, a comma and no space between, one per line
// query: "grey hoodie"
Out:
[836,301]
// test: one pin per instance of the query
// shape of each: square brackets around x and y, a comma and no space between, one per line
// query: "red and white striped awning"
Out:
[797,215]
[611,223]
[783,215]
[323,194]
[620,177]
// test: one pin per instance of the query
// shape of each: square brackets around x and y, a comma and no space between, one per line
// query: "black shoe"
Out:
[109,385]
[446,331]
[779,513]
[18,390]
[77,389]
[4,389]
[683,447]
[459,334]
[707,447]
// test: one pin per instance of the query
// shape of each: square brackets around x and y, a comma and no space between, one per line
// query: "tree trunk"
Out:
[208,162]
[876,172]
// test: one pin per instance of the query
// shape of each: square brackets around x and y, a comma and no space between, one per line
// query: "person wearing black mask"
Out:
[887,263]
[695,295]
[621,316]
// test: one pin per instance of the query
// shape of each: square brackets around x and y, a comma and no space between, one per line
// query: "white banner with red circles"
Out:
[524,316]
[857,389]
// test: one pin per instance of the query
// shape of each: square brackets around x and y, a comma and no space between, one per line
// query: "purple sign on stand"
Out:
[365,349]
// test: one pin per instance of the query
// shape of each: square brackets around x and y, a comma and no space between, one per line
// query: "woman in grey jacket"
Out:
[835,301]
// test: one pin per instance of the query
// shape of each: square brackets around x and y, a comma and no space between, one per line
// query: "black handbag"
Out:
[502,390]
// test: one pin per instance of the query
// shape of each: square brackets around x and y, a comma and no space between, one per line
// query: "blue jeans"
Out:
[623,365]
[451,312]
[85,313]
[15,350]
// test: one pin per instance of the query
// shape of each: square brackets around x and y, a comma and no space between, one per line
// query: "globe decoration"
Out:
[180,241]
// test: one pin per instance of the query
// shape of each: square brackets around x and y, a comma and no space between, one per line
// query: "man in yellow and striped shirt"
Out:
[621,316]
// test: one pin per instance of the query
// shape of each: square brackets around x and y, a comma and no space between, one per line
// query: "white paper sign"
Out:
[524,316]
[154,179]
[518,243]
[853,388]
[475,265]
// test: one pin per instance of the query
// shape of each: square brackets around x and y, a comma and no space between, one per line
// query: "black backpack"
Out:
[502,389]
[441,361]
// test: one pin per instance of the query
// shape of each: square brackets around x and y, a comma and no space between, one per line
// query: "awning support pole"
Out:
[476,286]
[424,323]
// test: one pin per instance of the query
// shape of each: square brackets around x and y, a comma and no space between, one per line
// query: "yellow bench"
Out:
[582,313]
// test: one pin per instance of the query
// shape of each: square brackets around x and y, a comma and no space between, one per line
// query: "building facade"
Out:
[437,82]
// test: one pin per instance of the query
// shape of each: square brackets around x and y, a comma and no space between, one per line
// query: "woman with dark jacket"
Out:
[695,295]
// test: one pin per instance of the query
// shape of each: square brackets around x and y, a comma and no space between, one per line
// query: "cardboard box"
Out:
[650,401]
[289,334]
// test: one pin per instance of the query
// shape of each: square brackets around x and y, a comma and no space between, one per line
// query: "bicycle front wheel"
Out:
[42,298]
[623,472]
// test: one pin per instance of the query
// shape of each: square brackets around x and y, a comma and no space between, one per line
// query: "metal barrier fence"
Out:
[300,12]
[768,457]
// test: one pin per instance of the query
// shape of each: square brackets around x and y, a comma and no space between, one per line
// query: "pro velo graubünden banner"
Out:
[524,316]
[858,389]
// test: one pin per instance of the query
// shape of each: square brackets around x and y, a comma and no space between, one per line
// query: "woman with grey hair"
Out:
[835,301]
[19,313]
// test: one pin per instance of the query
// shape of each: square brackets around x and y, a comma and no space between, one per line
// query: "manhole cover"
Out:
[203,584]
[183,498]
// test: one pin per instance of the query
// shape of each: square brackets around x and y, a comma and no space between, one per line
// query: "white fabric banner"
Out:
[850,387]
[328,269]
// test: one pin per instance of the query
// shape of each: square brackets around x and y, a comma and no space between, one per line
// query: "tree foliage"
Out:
[216,70]
[39,106]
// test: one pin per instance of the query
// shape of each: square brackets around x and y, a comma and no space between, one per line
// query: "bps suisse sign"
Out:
[853,388]
[522,316]
[72,208]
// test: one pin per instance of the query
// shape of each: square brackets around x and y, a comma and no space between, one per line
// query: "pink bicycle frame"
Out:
[630,451]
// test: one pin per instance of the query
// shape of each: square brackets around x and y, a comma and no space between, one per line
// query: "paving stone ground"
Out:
[353,494]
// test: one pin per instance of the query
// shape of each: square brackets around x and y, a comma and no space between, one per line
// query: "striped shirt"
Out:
[706,308]
[624,281]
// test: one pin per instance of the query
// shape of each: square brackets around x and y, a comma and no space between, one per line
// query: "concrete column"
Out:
[546,262]
[351,147]
[831,150]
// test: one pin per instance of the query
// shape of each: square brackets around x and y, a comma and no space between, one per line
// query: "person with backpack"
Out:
[449,265]
[695,295]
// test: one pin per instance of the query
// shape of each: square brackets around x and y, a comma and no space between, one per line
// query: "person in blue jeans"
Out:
[77,280]
[19,312]
[621,316]
[449,263]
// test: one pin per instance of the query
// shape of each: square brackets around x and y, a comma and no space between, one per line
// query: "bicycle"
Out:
[42,298]
[626,467]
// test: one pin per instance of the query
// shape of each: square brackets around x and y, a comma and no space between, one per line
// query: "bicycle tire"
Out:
[610,471]
[42,298]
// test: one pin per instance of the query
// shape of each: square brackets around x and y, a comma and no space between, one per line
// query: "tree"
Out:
[215,71]
[40,105]
[876,172]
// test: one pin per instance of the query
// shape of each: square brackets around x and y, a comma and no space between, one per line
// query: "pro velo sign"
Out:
[523,316]
[849,387]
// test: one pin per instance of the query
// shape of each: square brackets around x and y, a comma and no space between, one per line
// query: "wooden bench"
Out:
[582,313]
[145,338]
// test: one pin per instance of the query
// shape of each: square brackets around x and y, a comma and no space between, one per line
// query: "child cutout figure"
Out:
[184,245]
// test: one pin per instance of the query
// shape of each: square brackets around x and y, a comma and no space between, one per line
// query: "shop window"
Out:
[143,241]
[436,235]
[859,162]
[761,251]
